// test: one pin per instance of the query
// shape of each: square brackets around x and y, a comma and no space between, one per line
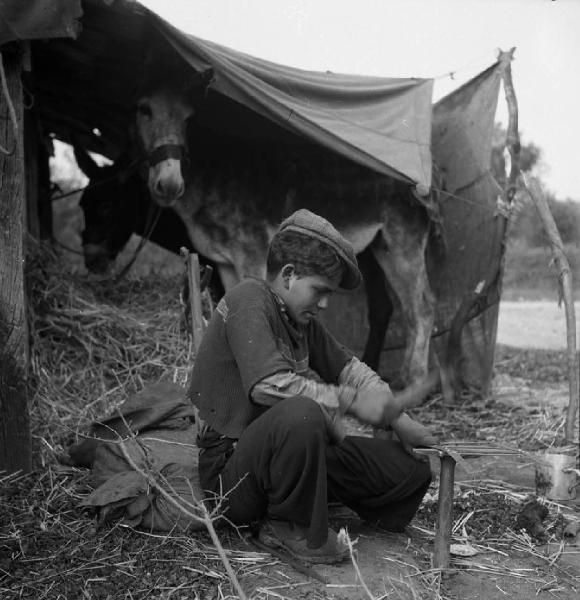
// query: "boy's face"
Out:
[305,295]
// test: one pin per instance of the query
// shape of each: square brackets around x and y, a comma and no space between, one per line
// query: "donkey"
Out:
[232,195]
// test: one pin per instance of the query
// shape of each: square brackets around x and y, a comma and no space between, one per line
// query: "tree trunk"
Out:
[15,444]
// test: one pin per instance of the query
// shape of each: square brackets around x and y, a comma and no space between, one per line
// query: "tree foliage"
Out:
[526,224]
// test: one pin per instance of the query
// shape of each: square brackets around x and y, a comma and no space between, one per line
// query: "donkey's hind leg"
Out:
[379,307]
[400,251]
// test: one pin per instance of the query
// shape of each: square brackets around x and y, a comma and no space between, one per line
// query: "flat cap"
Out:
[307,223]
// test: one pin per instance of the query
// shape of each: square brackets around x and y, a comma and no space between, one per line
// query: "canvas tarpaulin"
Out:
[41,19]
[472,237]
[473,220]
[381,123]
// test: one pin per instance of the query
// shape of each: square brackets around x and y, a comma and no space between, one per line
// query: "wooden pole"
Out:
[567,294]
[15,440]
[197,322]
[444,513]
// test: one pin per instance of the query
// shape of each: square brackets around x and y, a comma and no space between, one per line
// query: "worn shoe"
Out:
[292,539]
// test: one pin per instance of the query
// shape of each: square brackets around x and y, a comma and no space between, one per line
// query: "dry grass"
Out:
[96,342]
[93,344]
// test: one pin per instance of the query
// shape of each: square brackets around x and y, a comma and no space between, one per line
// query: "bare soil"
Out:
[534,324]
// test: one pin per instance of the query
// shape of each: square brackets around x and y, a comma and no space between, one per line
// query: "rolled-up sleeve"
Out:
[287,384]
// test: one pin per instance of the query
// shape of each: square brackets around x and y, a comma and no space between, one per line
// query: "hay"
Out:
[95,342]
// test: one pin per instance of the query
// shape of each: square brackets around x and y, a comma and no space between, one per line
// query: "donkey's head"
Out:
[161,120]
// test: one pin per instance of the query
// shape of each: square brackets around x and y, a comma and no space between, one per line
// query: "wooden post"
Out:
[444,513]
[197,322]
[15,444]
[567,293]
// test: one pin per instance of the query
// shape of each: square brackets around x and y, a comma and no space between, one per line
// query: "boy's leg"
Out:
[378,479]
[278,469]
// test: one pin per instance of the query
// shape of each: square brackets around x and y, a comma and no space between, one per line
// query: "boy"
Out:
[272,385]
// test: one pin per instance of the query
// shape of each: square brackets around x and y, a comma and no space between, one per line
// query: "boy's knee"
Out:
[423,472]
[301,413]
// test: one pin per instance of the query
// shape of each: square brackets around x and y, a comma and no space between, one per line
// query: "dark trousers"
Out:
[284,466]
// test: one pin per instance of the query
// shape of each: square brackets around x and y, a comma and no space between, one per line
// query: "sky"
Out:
[448,40]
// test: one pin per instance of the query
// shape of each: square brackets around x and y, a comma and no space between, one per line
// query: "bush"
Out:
[528,228]
[530,274]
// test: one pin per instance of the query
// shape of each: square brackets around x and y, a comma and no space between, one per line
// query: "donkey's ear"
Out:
[199,80]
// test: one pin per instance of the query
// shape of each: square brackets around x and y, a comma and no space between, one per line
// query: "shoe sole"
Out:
[272,541]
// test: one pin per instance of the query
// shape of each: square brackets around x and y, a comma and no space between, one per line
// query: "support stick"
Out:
[567,294]
[197,322]
[444,514]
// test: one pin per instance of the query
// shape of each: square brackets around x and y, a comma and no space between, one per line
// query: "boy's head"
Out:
[308,259]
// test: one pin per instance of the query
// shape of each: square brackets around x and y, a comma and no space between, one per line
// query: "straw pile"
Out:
[95,342]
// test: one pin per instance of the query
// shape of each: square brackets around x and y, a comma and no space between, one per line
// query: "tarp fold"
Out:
[381,123]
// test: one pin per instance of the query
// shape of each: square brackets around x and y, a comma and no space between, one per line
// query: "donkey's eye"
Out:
[144,110]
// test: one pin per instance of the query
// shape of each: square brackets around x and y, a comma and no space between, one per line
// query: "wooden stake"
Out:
[444,513]
[566,293]
[197,322]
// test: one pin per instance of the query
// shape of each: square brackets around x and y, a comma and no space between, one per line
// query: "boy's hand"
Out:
[378,406]
[412,434]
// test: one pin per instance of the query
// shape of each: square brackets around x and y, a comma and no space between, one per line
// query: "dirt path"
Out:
[528,324]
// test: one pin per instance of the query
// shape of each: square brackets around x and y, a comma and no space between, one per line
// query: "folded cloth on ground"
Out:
[164,449]
[161,405]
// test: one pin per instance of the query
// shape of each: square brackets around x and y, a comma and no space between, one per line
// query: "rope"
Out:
[11,110]
[153,223]
[67,248]
[131,168]
[475,62]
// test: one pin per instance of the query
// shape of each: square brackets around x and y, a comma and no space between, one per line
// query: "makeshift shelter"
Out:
[81,87]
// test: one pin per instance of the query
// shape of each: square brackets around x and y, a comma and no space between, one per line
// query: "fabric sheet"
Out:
[158,433]
[382,123]
[41,19]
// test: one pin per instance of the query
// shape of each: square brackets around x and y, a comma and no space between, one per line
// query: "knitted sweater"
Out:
[249,338]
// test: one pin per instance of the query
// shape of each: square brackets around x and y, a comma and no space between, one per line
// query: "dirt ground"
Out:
[534,324]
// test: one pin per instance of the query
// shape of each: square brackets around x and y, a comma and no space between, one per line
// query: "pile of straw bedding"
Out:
[95,346]
[94,343]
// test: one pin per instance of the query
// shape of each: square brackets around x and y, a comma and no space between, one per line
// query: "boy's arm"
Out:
[357,374]
[371,388]
[286,384]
